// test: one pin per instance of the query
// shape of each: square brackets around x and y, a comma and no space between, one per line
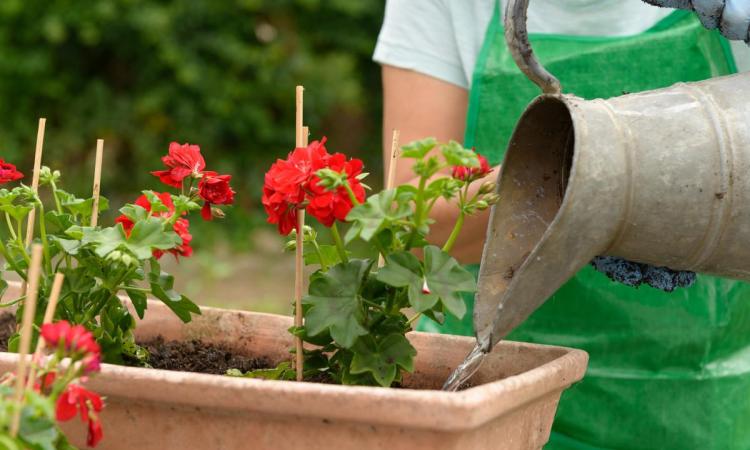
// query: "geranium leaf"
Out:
[442,278]
[328,252]
[447,279]
[58,222]
[456,155]
[182,306]
[335,304]
[149,234]
[18,212]
[418,149]
[138,298]
[377,212]
[382,359]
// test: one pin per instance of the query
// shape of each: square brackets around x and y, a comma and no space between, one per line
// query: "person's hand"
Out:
[635,274]
[732,17]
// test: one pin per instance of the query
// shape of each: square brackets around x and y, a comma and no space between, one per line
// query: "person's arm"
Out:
[422,106]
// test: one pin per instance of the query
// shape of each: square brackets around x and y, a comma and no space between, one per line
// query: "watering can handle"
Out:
[517,38]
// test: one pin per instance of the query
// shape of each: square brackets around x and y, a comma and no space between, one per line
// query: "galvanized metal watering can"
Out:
[660,177]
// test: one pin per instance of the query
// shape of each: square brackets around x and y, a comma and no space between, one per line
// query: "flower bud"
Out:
[482,205]
[114,255]
[127,260]
[491,199]
[217,213]
[487,187]
[290,246]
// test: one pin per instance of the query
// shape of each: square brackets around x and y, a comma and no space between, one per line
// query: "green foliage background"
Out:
[217,73]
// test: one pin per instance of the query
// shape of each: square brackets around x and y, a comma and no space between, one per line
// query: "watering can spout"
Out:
[658,177]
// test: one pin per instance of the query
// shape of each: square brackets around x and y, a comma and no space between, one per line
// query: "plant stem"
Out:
[352,197]
[419,211]
[454,234]
[323,265]
[45,244]
[416,316]
[20,243]
[10,226]
[11,261]
[53,186]
[339,243]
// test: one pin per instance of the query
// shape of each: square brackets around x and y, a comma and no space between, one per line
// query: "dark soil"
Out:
[7,329]
[197,356]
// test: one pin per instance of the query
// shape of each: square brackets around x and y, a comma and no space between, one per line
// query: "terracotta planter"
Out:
[511,407]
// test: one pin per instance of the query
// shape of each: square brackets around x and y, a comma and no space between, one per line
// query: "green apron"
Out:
[667,371]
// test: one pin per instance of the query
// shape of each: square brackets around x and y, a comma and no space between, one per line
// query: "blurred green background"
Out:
[220,74]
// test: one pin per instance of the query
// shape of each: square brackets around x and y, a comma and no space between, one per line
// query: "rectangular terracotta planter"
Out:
[511,407]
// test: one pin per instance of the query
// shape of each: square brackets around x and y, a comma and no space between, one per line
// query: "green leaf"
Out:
[383,359]
[139,301]
[134,212]
[418,149]
[456,155]
[329,253]
[283,371]
[80,207]
[379,211]
[335,304]
[157,205]
[17,212]
[146,235]
[58,222]
[182,306]
[441,278]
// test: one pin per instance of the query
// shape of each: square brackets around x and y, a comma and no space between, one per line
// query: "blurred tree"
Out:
[221,74]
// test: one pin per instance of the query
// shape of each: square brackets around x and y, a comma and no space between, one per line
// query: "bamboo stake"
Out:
[300,131]
[49,315]
[35,178]
[97,181]
[391,175]
[29,311]
[34,185]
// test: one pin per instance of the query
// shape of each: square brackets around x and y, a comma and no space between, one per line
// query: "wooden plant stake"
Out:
[301,140]
[391,176]
[29,310]
[97,181]
[34,185]
[49,315]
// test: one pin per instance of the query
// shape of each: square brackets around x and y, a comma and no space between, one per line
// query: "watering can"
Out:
[660,177]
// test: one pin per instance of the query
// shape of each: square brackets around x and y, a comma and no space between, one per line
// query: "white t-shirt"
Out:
[442,38]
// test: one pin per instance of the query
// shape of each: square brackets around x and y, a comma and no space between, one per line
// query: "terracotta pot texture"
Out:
[511,407]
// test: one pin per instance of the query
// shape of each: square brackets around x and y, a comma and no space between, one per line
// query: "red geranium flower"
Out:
[181,226]
[287,181]
[77,399]
[182,161]
[214,189]
[473,173]
[95,433]
[8,172]
[76,338]
[328,206]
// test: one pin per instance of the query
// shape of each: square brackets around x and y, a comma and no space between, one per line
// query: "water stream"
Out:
[466,369]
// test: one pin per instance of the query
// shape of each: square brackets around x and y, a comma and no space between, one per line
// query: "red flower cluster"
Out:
[214,189]
[8,172]
[185,161]
[181,226]
[473,173]
[77,399]
[75,339]
[182,161]
[291,184]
